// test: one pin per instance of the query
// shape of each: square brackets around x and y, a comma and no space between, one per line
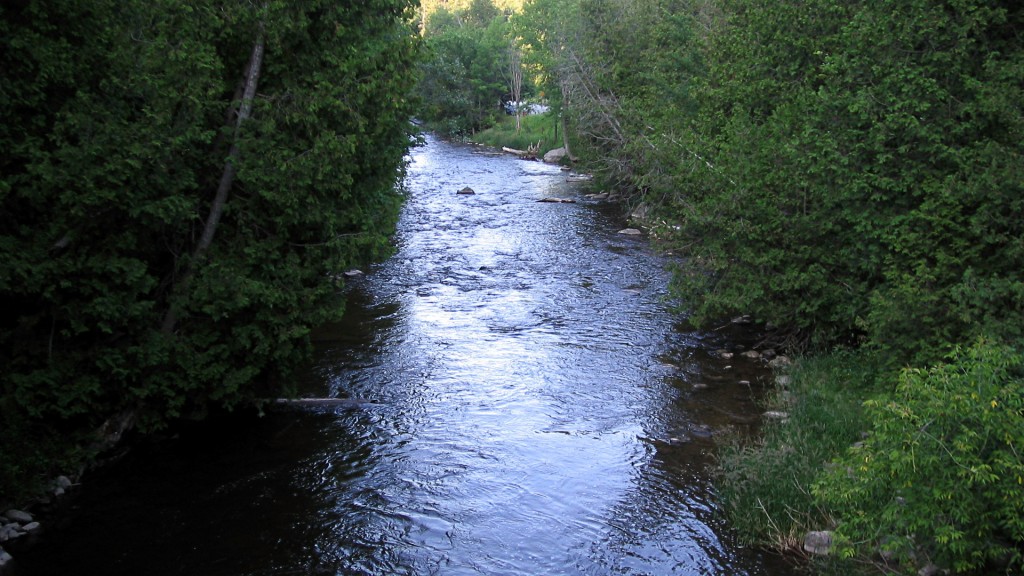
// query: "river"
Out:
[530,404]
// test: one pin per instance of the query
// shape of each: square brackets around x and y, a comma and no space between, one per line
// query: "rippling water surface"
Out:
[530,406]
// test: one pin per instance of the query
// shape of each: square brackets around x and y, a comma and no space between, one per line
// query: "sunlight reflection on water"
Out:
[524,378]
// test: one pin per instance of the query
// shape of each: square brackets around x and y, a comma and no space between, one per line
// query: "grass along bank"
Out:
[765,484]
[912,472]
[537,129]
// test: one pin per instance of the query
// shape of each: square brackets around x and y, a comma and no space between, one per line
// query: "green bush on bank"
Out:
[941,475]
[930,471]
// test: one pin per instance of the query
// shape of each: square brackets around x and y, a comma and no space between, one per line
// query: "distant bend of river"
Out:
[532,407]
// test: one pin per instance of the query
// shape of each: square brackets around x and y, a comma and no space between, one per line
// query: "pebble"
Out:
[10,532]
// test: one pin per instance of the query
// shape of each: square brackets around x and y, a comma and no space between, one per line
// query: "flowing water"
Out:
[529,404]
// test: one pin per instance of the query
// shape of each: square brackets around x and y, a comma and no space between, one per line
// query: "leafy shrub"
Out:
[942,474]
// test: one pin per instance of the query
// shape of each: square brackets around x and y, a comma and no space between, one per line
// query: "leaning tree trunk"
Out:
[227,179]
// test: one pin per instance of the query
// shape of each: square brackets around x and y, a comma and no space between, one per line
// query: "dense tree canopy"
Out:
[849,172]
[120,121]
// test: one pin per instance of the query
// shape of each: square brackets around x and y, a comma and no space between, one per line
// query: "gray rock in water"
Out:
[62,482]
[19,516]
[630,232]
[30,527]
[752,354]
[4,557]
[818,542]
[466,190]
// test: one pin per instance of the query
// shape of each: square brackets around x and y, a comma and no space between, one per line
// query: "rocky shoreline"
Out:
[16,523]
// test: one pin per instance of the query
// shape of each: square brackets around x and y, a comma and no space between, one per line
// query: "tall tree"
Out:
[464,78]
[116,140]
[847,151]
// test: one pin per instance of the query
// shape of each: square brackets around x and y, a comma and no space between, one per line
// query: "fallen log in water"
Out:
[323,402]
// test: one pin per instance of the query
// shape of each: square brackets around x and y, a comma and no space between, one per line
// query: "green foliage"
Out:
[117,118]
[620,72]
[466,76]
[838,167]
[765,487]
[33,454]
[941,474]
[533,129]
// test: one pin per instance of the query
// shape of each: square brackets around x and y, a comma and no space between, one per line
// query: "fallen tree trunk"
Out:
[323,402]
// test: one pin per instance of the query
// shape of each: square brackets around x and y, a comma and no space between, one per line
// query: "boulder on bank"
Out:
[18,516]
[640,214]
[555,156]
[818,543]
